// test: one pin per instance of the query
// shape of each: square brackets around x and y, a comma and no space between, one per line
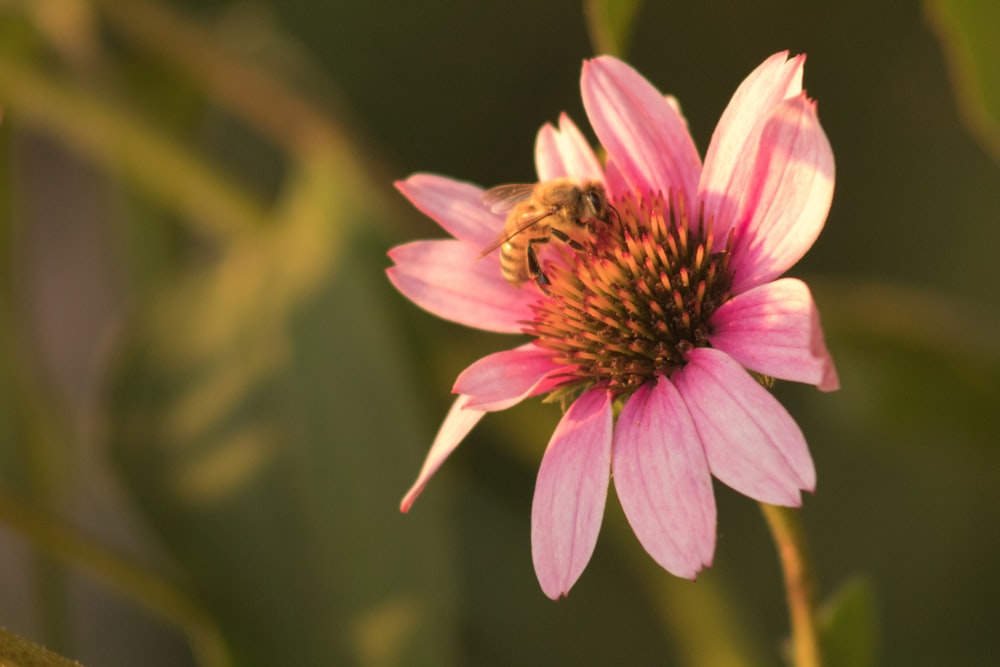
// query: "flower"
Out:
[679,298]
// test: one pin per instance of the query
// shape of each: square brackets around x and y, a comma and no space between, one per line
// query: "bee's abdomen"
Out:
[513,261]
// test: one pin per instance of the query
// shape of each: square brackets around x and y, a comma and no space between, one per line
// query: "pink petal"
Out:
[456,426]
[735,140]
[565,152]
[663,481]
[570,493]
[447,278]
[774,329]
[500,380]
[789,195]
[676,105]
[614,181]
[753,445]
[644,135]
[456,206]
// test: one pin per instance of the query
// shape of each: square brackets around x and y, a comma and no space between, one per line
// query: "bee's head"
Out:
[595,202]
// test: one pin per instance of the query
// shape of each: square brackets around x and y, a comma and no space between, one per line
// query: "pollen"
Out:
[632,306]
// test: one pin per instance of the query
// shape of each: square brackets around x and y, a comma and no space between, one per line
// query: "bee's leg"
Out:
[562,236]
[535,268]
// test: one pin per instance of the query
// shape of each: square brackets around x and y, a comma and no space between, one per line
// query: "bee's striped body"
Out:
[563,208]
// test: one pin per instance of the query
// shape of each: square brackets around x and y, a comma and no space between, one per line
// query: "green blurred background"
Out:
[212,399]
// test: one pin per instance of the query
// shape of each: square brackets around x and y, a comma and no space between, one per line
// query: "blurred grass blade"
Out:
[848,627]
[258,415]
[113,136]
[609,23]
[968,30]
[61,542]
[262,99]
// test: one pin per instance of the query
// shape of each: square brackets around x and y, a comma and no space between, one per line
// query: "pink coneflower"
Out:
[664,316]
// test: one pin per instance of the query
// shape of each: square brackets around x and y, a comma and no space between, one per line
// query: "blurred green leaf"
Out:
[968,33]
[608,618]
[849,627]
[19,652]
[920,366]
[63,544]
[609,23]
[703,619]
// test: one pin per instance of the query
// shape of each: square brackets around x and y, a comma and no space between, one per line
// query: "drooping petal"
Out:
[565,152]
[753,445]
[789,195]
[455,427]
[737,136]
[500,380]
[570,493]
[456,206]
[449,279]
[663,481]
[644,135]
[774,329]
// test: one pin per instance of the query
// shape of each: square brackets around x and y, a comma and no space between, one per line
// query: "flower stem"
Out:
[796,565]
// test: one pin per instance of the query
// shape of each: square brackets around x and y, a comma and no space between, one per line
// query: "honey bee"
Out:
[564,209]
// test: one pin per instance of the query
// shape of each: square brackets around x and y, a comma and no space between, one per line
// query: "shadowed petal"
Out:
[570,493]
[447,278]
[663,481]
[456,206]
[753,445]
[500,380]
[644,134]
[455,427]
[789,195]
[735,141]
[565,152]
[774,329]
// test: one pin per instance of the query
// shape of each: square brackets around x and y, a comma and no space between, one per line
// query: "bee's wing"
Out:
[503,198]
[527,220]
